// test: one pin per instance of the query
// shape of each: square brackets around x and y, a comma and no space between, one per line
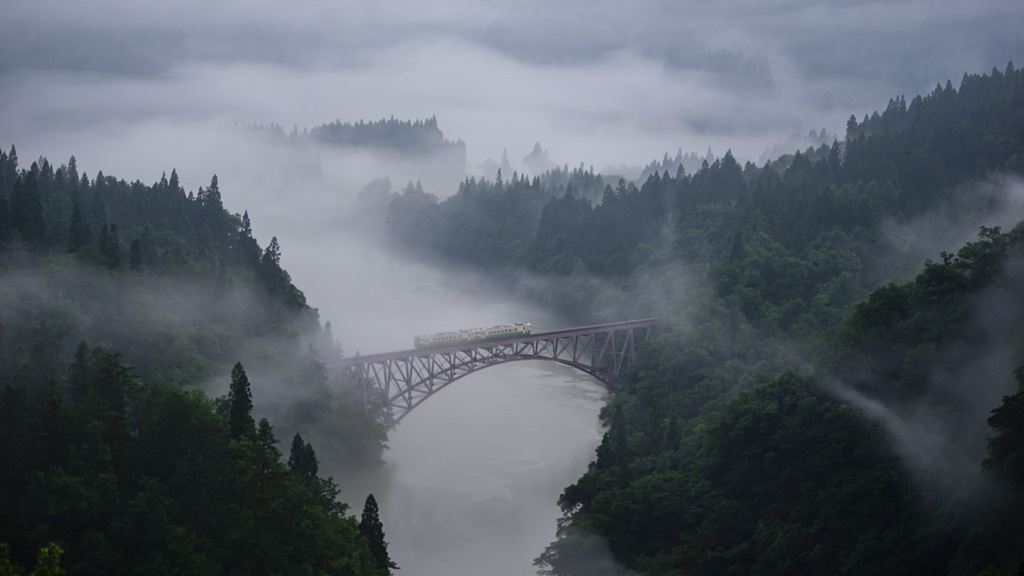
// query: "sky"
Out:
[137,88]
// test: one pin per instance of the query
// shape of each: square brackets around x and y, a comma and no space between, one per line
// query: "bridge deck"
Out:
[356,360]
[395,383]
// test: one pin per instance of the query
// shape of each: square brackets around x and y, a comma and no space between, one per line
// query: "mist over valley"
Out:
[205,209]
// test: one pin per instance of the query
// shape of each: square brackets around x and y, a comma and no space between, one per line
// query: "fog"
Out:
[473,474]
[600,83]
[943,447]
[138,89]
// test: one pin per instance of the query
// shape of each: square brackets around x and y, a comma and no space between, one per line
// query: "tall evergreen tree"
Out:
[135,256]
[8,170]
[302,460]
[265,436]
[1006,447]
[5,221]
[240,420]
[371,528]
[246,248]
[79,371]
[110,247]
[210,198]
[79,234]
[111,380]
[27,208]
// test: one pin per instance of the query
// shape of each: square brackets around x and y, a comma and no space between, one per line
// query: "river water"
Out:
[472,476]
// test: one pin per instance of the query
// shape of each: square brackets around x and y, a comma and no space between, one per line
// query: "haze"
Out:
[135,88]
[138,89]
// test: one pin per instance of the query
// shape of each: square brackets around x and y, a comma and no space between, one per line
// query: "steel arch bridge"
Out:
[395,383]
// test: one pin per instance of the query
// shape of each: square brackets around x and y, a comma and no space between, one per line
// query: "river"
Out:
[472,476]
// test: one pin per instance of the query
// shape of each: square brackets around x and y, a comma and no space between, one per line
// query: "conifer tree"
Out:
[371,528]
[1006,448]
[111,379]
[5,221]
[302,460]
[79,234]
[79,371]
[27,208]
[135,256]
[240,421]
[246,247]
[110,247]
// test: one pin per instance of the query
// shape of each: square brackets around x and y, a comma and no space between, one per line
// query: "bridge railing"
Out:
[584,330]
[396,382]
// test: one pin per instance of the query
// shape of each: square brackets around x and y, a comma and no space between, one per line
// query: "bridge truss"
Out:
[393,384]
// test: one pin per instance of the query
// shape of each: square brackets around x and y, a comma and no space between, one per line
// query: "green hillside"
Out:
[815,402]
[118,302]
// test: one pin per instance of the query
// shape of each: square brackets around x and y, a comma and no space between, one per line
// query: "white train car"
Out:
[472,335]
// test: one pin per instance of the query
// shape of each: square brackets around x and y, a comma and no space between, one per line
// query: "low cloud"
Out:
[602,84]
[998,202]
[942,433]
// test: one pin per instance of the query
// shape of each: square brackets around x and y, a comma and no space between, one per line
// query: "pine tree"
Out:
[240,421]
[79,371]
[302,460]
[135,256]
[110,379]
[371,528]
[211,198]
[27,208]
[110,247]
[247,249]
[5,221]
[1006,448]
[79,234]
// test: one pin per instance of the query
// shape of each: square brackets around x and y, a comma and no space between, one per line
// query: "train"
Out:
[472,335]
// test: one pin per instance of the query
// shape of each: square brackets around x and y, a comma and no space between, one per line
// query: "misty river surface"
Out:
[472,476]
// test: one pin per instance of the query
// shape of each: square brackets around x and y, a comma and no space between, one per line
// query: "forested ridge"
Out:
[118,301]
[815,401]
[416,138]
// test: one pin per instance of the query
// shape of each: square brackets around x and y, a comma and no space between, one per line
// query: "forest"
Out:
[838,380]
[412,139]
[836,384]
[118,302]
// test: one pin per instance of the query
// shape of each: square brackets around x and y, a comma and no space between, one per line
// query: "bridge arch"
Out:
[393,384]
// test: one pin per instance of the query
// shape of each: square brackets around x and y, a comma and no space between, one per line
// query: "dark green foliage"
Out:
[206,294]
[998,540]
[79,234]
[110,247]
[135,256]
[415,137]
[902,332]
[275,280]
[702,471]
[782,480]
[303,463]
[806,226]
[371,528]
[707,466]
[240,420]
[131,478]
[302,459]
[490,223]
[1006,448]
[6,226]
[247,250]
[26,207]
